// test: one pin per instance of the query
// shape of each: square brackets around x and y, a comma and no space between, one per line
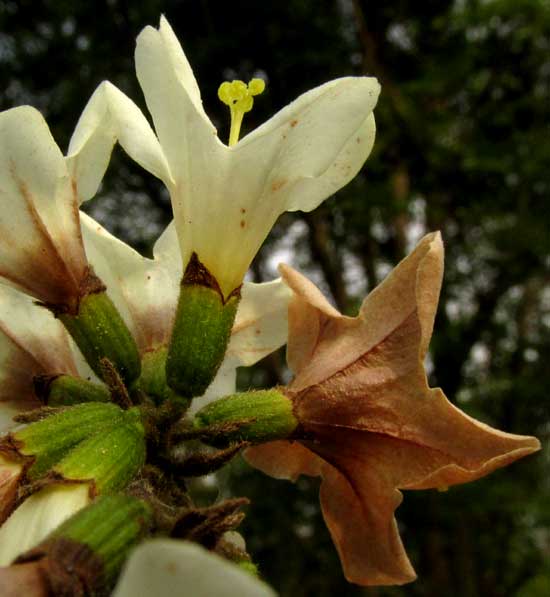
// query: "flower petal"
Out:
[10,475]
[38,516]
[40,245]
[32,342]
[414,284]
[163,567]
[359,515]
[318,142]
[362,525]
[284,460]
[411,290]
[261,323]
[173,98]
[108,117]
[223,384]
[145,291]
[308,314]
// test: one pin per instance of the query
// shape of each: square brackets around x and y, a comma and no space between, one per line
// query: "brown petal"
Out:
[359,514]
[414,284]
[308,313]
[10,475]
[361,522]
[284,460]
[323,343]
[361,493]
[23,580]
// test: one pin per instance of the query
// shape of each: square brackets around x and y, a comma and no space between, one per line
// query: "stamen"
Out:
[240,98]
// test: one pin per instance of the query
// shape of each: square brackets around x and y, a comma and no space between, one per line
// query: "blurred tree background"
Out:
[463,146]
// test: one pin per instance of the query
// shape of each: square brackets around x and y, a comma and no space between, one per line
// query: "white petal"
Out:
[167,251]
[261,325]
[308,192]
[223,384]
[165,568]
[40,245]
[173,99]
[295,161]
[38,516]
[32,342]
[145,291]
[179,61]
[111,116]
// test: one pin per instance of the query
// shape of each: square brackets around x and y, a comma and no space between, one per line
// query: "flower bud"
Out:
[202,328]
[85,553]
[47,441]
[153,378]
[100,333]
[66,390]
[109,459]
[257,416]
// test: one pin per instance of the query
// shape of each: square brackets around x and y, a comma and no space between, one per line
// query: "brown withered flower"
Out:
[372,423]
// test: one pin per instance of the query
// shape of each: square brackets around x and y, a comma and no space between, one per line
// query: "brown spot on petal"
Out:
[243,223]
[293,123]
[243,210]
[276,185]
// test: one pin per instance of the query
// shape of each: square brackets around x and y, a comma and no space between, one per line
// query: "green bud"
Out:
[49,440]
[201,332]
[88,550]
[257,416]
[66,390]
[110,458]
[100,333]
[153,378]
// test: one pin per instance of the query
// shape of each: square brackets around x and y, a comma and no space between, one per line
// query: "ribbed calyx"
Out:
[153,378]
[201,331]
[84,555]
[66,390]
[110,459]
[100,333]
[256,417]
[96,442]
[44,443]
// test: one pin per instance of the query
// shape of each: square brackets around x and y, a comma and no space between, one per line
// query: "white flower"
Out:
[163,567]
[226,199]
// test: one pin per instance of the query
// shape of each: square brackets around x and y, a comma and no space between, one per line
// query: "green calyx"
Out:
[201,332]
[66,390]
[51,439]
[153,378]
[110,458]
[84,555]
[100,333]
[110,527]
[257,416]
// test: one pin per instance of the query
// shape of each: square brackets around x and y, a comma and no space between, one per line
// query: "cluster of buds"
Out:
[115,365]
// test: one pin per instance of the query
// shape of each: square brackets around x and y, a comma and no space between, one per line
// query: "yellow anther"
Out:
[240,98]
[256,86]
